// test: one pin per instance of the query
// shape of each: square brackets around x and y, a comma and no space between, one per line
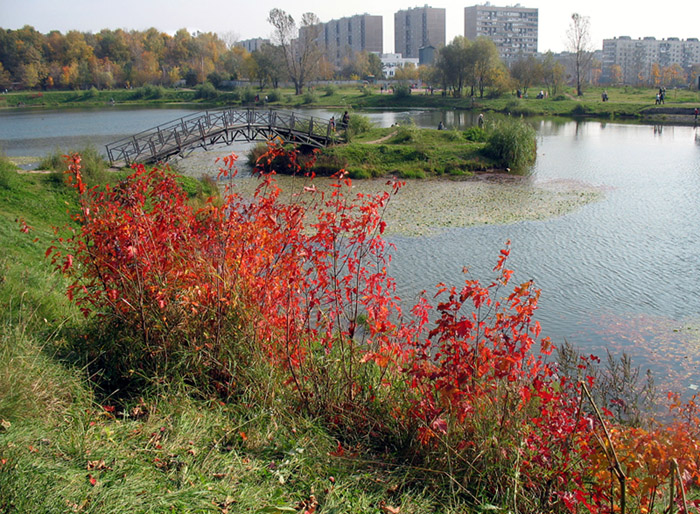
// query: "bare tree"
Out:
[300,49]
[579,41]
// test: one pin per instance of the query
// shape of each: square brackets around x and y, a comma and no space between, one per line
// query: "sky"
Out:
[246,19]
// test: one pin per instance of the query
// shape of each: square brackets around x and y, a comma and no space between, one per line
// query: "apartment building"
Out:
[636,57]
[417,28]
[253,44]
[514,29]
[343,37]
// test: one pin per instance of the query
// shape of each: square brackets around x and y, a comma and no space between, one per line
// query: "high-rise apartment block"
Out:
[512,29]
[360,33]
[631,61]
[418,28]
[253,44]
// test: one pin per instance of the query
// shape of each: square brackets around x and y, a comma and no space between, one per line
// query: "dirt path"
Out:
[382,139]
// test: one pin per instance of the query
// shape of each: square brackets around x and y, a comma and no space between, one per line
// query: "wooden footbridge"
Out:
[208,128]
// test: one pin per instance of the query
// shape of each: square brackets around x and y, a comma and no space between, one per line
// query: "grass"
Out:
[69,445]
[407,152]
[624,101]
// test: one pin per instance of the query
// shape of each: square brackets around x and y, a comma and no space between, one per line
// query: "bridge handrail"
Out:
[192,128]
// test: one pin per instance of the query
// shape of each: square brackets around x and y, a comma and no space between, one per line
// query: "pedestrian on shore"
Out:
[480,121]
[441,126]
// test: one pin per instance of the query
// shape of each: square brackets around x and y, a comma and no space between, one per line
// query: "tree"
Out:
[579,42]
[269,65]
[454,64]
[486,61]
[301,55]
[552,73]
[616,74]
[526,71]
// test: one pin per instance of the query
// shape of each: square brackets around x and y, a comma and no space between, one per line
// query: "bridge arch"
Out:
[223,126]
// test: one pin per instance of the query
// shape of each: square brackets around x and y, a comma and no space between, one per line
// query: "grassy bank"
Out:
[71,442]
[203,384]
[624,101]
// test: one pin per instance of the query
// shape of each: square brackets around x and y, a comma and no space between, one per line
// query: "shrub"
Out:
[475,134]
[359,124]
[248,95]
[308,98]
[275,95]
[206,91]
[402,90]
[512,144]
[366,91]
[91,93]
[580,110]
[8,173]
[93,165]
[518,107]
[301,290]
[329,90]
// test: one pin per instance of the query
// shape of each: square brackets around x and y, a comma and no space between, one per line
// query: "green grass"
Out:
[407,152]
[624,101]
[67,444]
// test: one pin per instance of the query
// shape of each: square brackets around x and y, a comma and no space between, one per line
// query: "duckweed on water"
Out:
[426,207]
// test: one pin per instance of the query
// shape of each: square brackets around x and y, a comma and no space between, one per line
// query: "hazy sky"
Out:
[248,18]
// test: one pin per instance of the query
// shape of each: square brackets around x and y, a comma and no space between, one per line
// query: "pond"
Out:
[620,273]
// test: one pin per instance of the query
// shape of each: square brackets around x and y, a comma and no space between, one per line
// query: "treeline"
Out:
[114,58]
[119,58]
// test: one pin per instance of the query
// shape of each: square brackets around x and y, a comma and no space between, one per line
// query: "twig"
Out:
[617,468]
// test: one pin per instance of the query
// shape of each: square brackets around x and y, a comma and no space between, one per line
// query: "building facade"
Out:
[392,62]
[417,28]
[514,29]
[640,61]
[253,44]
[343,37]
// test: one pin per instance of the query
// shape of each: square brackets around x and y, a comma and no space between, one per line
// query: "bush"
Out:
[329,89]
[206,91]
[8,173]
[93,165]
[308,98]
[402,90]
[248,95]
[91,93]
[366,91]
[512,144]
[518,107]
[274,96]
[580,110]
[475,134]
[359,124]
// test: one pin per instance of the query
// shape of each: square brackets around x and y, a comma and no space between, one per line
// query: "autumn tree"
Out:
[486,61]
[454,64]
[579,43]
[269,65]
[299,47]
[526,71]
[552,73]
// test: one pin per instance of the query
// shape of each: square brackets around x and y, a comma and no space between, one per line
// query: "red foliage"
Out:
[304,286]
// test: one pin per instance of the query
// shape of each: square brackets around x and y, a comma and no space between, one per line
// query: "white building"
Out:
[391,62]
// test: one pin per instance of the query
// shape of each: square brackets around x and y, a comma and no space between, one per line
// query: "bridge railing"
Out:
[173,137]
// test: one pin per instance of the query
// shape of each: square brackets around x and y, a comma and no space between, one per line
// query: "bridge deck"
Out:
[223,126]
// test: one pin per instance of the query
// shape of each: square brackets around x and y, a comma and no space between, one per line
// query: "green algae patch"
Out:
[430,206]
